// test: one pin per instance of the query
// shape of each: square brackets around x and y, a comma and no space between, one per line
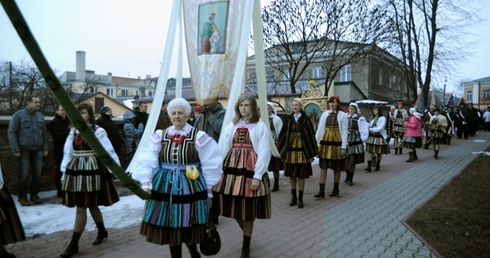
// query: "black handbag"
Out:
[212,241]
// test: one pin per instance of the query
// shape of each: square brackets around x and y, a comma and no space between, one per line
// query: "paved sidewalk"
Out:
[363,221]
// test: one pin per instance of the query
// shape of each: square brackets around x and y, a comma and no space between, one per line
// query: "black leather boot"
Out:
[101,235]
[347,176]
[410,159]
[396,151]
[176,251]
[401,150]
[300,199]
[351,178]
[321,192]
[436,154]
[377,166]
[335,190]
[276,185]
[246,247]
[293,198]
[73,246]
[193,250]
[415,154]
[368,169]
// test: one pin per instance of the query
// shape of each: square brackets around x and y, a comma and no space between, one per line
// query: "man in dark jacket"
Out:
[211,121]
[105,121]
[29,142]
[141,114]
[59,129]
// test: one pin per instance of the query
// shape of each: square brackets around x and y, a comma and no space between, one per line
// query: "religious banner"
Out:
[213,30]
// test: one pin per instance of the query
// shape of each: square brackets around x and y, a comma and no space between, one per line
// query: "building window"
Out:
[93,89]
[287,75]
[316,72]
[486,94]
[298,49]
[253,78]
[270,76]
[469,96]
[124,93]
[345,73]
[380,77]
[109,92]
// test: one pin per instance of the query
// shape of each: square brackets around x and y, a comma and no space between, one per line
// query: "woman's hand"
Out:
[255,184]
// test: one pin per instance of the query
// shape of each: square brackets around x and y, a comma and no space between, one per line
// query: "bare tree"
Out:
[298,33]
[429,38]
[292,36]
[351,30]
[17,81]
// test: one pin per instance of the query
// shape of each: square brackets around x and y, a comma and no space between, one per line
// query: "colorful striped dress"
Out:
[11,229]
[398,125]
[297,164]
[87,182]
[355,148]
[178,210]
[330,145]
[376,143]
[237,200]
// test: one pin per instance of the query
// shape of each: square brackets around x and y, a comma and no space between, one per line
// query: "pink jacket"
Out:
[414,127]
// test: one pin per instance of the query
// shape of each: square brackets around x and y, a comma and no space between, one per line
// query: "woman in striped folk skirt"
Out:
[86,182]
[413,137]
[438,125]
[297,147]
[244,188]
[358,133]
[178,166]
[376,143]
[401,117]
[11,229]
[332,139]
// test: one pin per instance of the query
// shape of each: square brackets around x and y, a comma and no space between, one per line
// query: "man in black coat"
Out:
[105,121]
[59,129]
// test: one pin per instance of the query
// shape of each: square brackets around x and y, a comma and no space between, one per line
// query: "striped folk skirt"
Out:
[355,148]
[377,144]
[178,210]
[412,142]
[296,165]
[88,183]
[439,137]
[11,229]
[329,150]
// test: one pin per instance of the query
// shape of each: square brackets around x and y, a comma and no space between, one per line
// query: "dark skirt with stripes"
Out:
[178,210]
[377,144]
[302,170]
[275,164]
[439,137]
[412,142]
[355,149]
[11,229]
[91,188]
[330,146]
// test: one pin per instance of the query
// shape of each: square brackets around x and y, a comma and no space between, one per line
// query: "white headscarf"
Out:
[414,112]
[272,106]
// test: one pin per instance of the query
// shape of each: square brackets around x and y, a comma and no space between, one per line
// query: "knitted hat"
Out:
[105,109]
[197,109]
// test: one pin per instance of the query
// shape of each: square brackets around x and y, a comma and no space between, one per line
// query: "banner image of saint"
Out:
[212,27]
